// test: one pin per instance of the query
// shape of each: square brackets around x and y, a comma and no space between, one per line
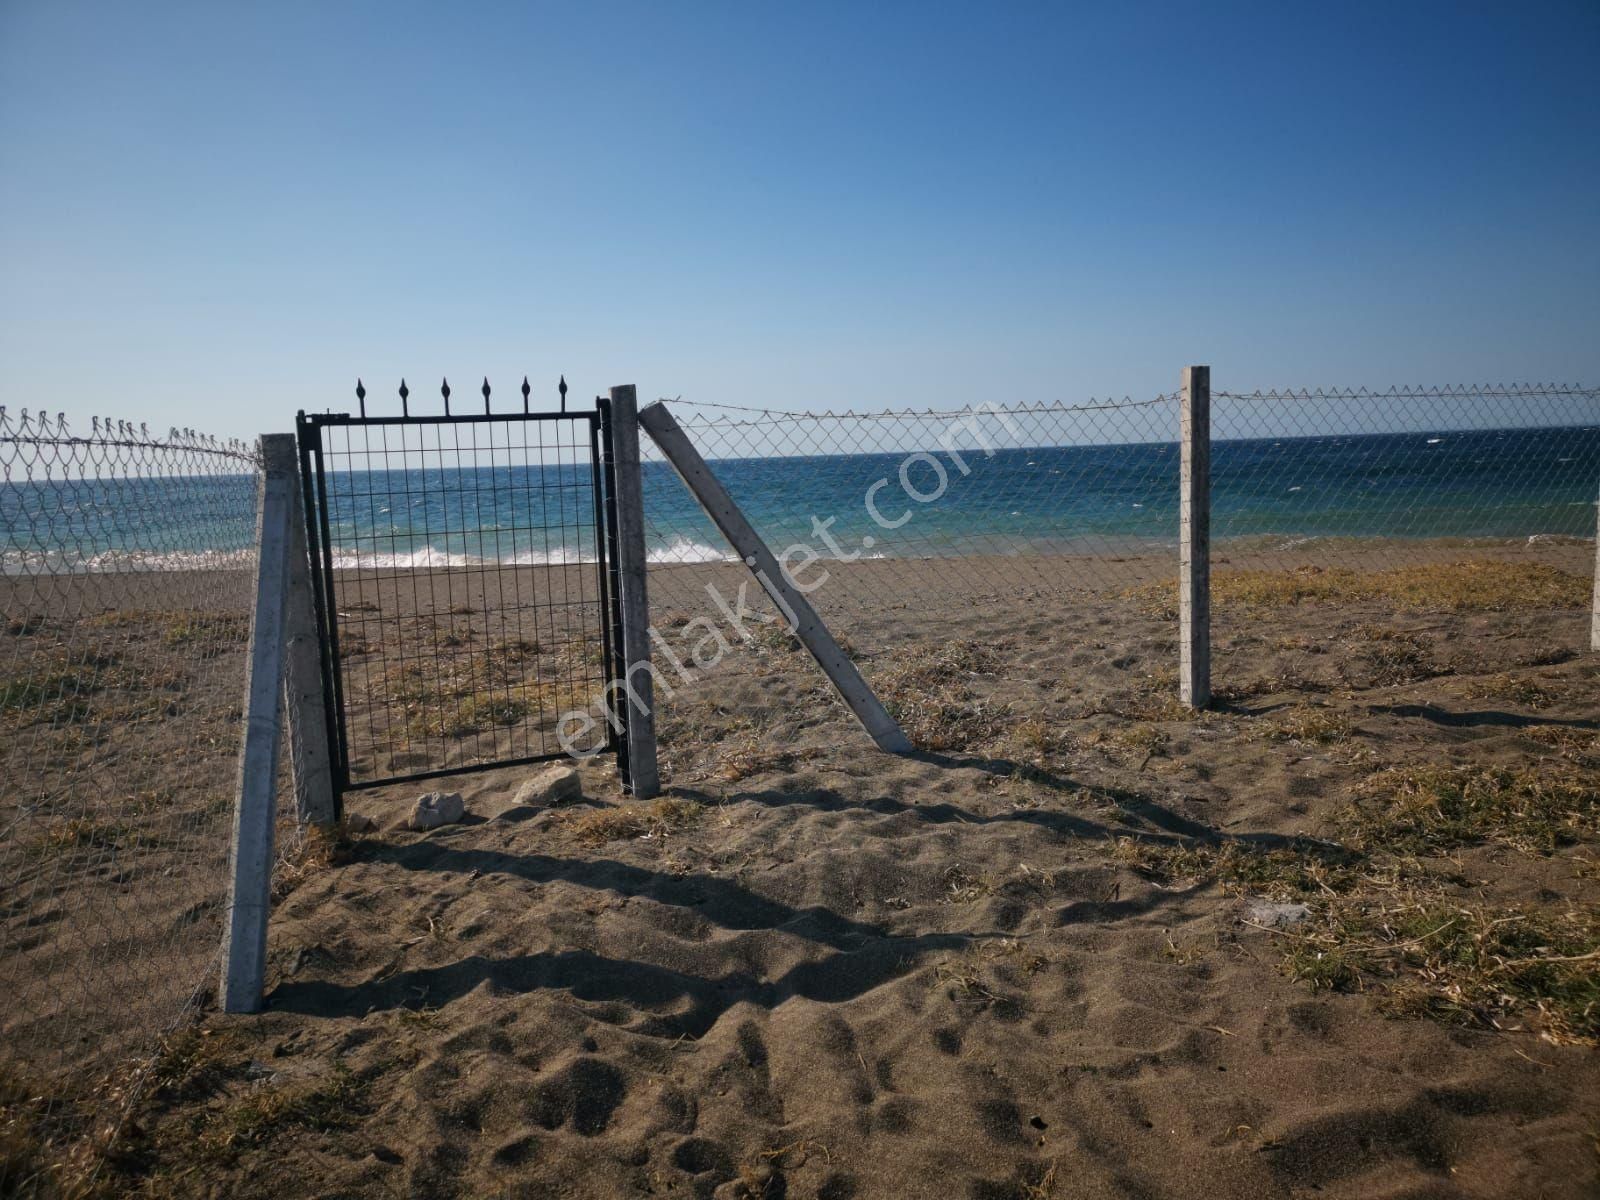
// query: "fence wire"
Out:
[1058,523]
[127,564]
[1325,473]
[467,598]
[927,510]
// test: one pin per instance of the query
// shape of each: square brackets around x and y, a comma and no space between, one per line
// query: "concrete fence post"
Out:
[316,802]
[1194,539]
[244,951]
[635,602]
[1594,607]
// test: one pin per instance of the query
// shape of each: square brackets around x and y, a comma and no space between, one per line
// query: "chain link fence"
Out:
[1473,504]
[127,564]
[925,540]
[923,510]
[1058,524]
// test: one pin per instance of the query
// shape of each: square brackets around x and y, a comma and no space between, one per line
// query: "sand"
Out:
[119,742]
[846,974]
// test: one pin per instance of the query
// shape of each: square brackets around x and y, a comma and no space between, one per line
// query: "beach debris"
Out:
[550,786]
[434,809]
[1271,914]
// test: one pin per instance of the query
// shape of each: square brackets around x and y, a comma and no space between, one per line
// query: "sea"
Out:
[1495,484]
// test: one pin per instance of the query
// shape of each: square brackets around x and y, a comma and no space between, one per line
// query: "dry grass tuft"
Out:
[1513,689]
[336,1102]
[46,1149]
[928,668]
[51,694]
[929,692]
[1466,964]
[1143,740]
[597,826]
[180,627]
[453,637]
[469,694]
[1279,873]
[962,886]
[577,657]
[192,1059]
[517,650]
[1035,741]
[1385,657]
[1430,809]
[354,644]
[71,685]
[462,716]
[743,754]
[1310,725]
[1381,926]
[212,632]
[79,833]
[1582,746]
[774,638]
[319,848]
[981,972]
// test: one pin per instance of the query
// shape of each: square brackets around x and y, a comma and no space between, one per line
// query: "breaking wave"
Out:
[679,550]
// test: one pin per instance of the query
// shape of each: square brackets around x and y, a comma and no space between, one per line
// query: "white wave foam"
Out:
[684,550]
[344,560]
[680,550]
[28,562]
[556,557]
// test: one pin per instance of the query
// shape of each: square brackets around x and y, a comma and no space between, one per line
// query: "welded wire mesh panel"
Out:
[127,565]
[463,584]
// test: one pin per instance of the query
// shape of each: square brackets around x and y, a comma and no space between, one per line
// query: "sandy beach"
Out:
[1028,961]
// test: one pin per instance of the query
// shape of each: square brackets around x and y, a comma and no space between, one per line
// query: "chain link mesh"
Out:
[930,509]
[1435,498]
[922,520]
[127,563]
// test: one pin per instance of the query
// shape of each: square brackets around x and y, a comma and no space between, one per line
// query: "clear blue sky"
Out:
[211,216]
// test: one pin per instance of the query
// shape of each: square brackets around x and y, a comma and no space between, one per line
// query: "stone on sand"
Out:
[434,809]
[1276,916]
[550,786]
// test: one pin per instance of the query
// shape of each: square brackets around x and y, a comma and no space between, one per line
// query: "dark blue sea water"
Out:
[1497,484]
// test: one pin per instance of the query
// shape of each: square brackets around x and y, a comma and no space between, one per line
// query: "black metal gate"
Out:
[465,586]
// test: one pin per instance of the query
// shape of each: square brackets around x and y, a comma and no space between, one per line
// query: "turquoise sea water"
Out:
[1499,484]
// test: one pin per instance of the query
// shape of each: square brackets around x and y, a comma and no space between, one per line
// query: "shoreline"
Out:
[977,546]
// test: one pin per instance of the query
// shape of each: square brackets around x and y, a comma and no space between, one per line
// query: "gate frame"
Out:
[309,440]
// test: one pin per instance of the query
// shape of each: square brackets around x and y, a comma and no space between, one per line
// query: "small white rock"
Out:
[1276,916]
[434,809]
[550,786]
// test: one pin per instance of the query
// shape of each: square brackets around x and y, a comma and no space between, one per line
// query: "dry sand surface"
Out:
[119,739]
[1022,963]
